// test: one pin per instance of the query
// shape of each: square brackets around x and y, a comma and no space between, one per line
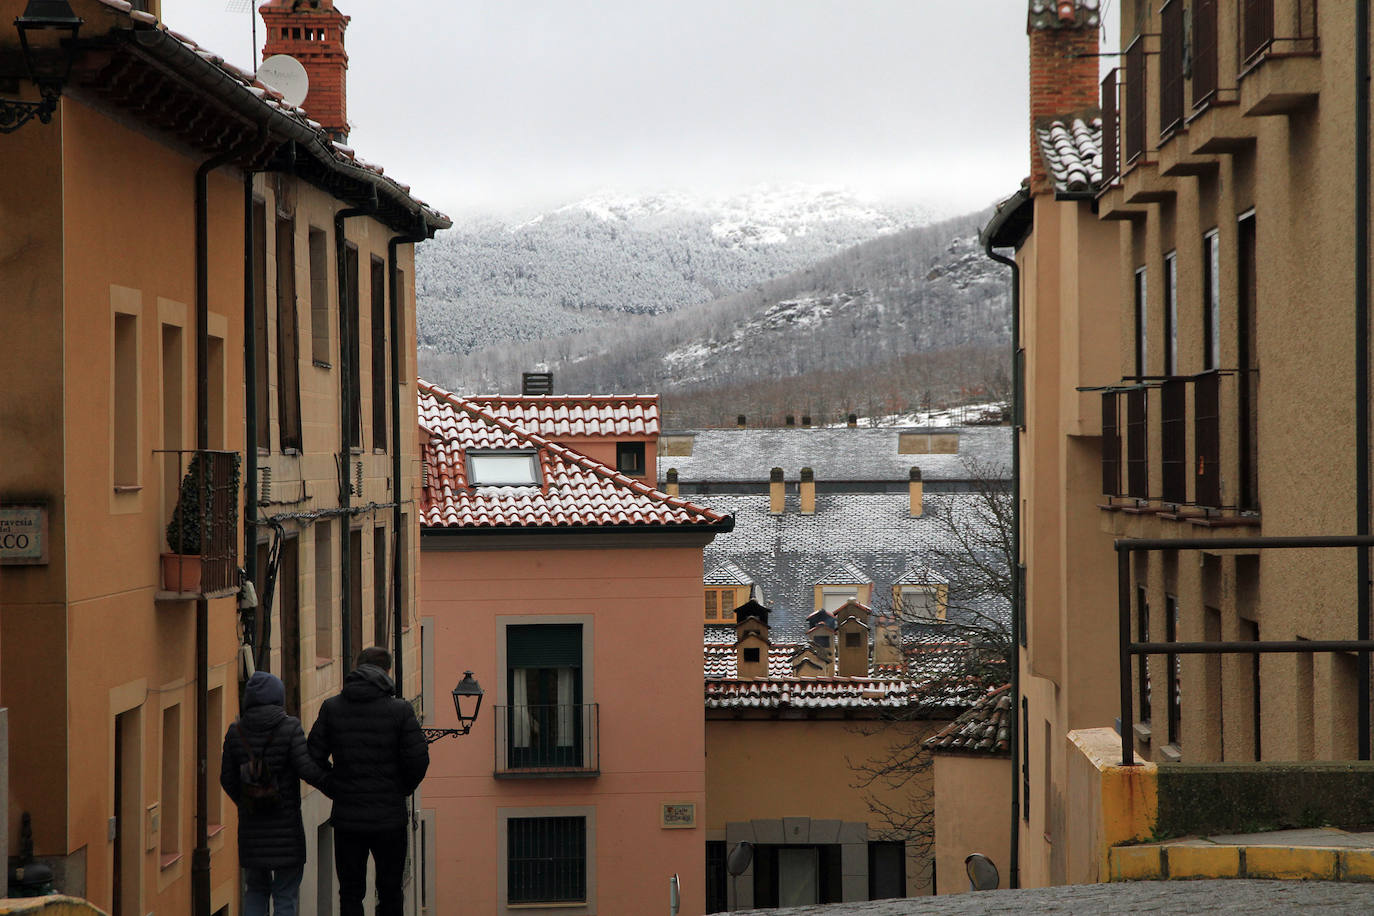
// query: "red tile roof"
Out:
[810,693]
[985,728]
[575,492]
[555,416]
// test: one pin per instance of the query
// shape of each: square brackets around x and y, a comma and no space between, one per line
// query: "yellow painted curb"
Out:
[1137,863]
[1357,864]
[1305,862]
[1203,861]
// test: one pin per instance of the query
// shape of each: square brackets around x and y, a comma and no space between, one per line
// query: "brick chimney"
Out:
[1063,67]
[670,485]
[917,488]
[312,31]
[808,491]
[777,499]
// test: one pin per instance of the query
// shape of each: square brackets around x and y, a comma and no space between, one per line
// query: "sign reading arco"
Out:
[23,534]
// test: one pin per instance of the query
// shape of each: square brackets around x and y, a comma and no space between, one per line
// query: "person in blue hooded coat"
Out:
[271,837]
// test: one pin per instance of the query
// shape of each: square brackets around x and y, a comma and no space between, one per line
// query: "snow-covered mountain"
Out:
[583,265]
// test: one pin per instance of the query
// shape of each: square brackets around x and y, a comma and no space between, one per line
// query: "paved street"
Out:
[1228,896]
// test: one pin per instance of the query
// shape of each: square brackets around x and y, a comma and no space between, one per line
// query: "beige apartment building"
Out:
[177,226]
[1199,366]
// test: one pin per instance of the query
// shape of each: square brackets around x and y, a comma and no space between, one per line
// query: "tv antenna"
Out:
[246,6]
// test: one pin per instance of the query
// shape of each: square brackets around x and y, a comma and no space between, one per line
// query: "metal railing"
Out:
[202,502]
[1128,647]
[1259,29]
[1171,65]
[1173,445]
[1111,443]
[1111,151]
[1135,100]
[1138,443]
[548,740]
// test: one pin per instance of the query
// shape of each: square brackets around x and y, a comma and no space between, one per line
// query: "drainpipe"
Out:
[1017,408]
[250,399]
[420,234]
[346,370]
[200,857]
[1362,562]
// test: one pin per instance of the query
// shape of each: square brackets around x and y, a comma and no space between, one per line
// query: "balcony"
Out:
[201,501]
[1280,68]
[1191,469]
[535,741]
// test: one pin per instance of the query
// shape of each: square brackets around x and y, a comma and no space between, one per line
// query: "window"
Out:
[324,590]
[751,654]
[1211,303]
[319,298]
[797,875]
[260,349]
[921,603]
[354,373]
[124,396]
[288,596]
[629,458]
[288,347]
[503,469]
[720,605]
[545,717]
[172,412]
[1025,760]
[886,869]
[381,588]
[1246,362]
[214,381]
[1141,332]
[170,827]
[546,860]
[853,640]
[832,598]
[377,345]
[214,707]
[823,640]
[1170,313]
[716,877]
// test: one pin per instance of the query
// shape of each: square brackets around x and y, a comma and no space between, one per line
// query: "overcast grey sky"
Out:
[502,105]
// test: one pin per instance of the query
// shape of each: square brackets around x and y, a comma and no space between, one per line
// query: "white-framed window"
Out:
[834,597]
[920,603]
[503,469]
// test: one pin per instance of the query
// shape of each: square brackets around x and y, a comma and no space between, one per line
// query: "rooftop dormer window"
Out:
[835,597]
[503,469]
[922,603]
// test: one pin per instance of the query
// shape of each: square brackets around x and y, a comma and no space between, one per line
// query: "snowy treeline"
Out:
[912,319]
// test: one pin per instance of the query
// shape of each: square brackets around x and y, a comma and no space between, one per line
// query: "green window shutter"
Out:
[556,645]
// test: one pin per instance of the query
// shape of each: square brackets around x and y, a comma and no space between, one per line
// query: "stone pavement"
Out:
[1119,899]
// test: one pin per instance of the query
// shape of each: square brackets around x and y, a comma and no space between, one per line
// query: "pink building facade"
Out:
[573,592]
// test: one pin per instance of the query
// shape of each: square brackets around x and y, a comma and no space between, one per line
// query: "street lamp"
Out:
[47,36]
[467,701]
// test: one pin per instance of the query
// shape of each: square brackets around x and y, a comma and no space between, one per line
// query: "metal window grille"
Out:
[546,860]
[1204,63]
[1207,438]
[204,520]
[1137,443]
[1111,168]
[1171,67]
[1135,100]
[1111,444]
[1174,440]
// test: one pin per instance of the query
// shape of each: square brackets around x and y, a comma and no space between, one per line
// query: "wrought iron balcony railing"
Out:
[1134,114]
[201,496]
[562,740]
[1111,149]
[1204,66]
[1171,67]
[1265,26]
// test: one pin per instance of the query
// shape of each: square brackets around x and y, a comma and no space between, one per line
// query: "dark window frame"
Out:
[631,459]
[562,846]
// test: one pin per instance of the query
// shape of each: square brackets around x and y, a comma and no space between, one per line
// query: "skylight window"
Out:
[503,469]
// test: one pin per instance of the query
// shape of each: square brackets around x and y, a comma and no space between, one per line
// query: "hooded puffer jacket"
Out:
[379,753]
[272,839]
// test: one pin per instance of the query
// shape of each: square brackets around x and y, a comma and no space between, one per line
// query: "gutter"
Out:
[420,234]
[723,526]
[1009,227]
[1362,561]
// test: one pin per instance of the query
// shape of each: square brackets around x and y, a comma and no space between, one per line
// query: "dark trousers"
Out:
[388,849]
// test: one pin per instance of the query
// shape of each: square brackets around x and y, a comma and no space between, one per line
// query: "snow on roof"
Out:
[1072,150]
[556,416]
[720,455]
[573,491]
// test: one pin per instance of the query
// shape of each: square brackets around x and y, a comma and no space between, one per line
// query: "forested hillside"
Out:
[592,263]
[912,319]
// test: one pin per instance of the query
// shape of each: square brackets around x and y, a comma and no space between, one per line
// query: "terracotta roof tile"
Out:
[557,416]
[574,492]
[985,728]
[1072,149]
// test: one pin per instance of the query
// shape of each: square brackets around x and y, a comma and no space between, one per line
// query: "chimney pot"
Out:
[853,420]
[671,485]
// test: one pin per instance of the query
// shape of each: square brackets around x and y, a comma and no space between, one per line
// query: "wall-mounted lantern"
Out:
[47,36]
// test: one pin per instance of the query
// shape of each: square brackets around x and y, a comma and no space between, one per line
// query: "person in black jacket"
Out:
[271,835]
[379,757]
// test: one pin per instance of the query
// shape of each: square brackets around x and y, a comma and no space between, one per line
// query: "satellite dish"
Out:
[286,75]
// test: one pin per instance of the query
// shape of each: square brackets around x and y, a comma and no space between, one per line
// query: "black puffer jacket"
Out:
[379,754]
[273,839]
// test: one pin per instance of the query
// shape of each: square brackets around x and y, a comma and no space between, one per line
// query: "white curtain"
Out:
[566,710]
[520,708]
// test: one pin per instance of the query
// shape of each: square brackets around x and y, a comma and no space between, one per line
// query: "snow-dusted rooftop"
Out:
[1072,150]
[721,455]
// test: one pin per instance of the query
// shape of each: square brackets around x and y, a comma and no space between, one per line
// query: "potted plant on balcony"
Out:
[188,530]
